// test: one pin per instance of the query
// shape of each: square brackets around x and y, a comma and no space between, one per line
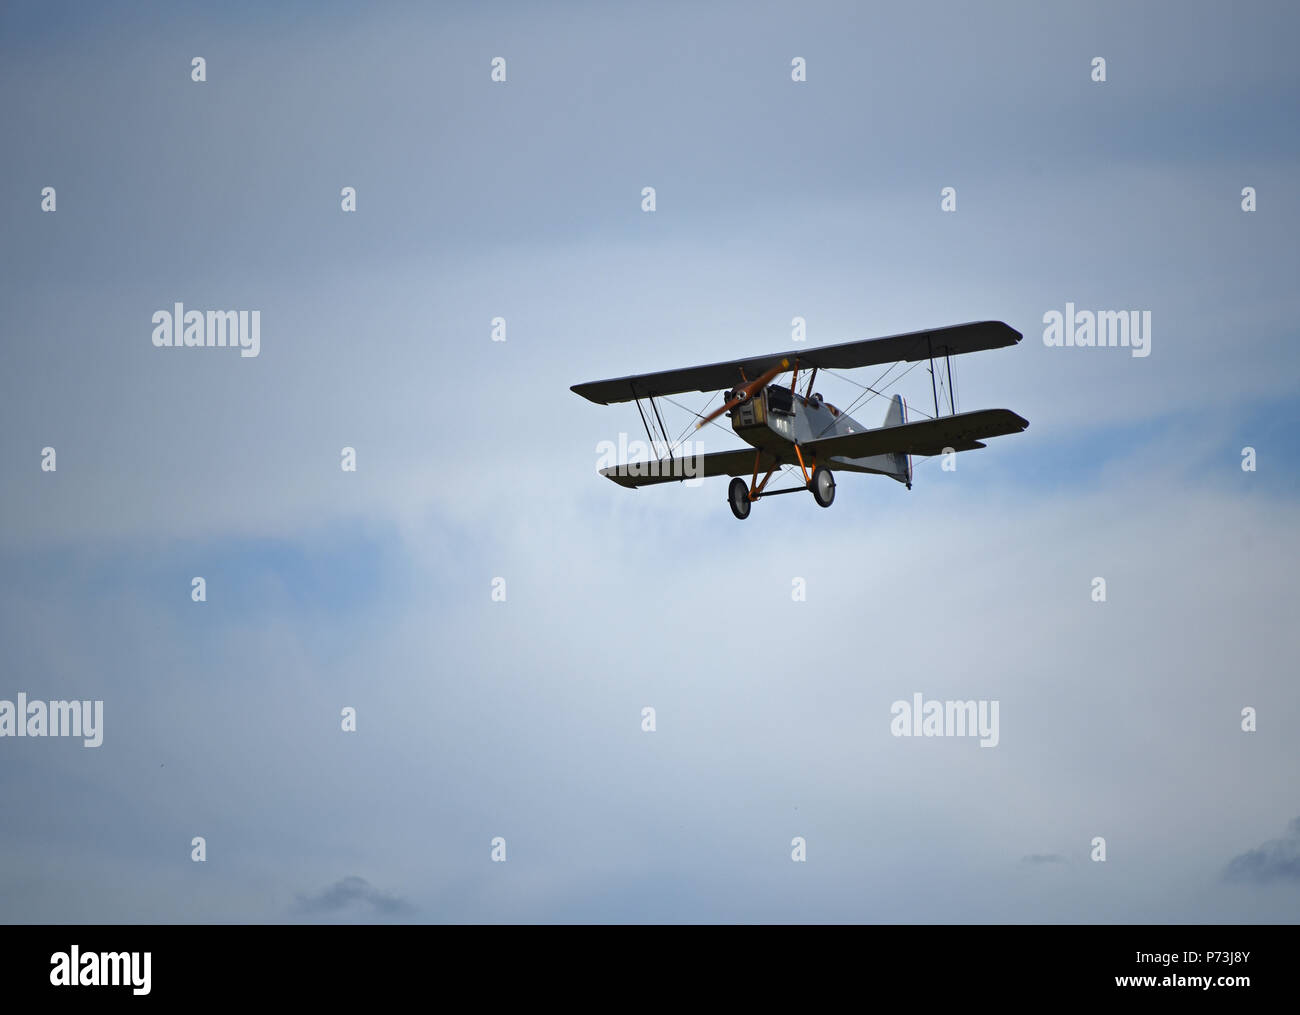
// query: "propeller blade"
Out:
[745,392]
[726,407]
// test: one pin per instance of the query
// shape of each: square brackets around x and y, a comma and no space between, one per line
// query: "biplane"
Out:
[784,426]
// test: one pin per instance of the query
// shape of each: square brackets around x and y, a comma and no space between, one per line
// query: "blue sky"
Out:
[522,719]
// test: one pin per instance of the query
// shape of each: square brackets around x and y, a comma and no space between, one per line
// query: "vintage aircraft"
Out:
[784,427]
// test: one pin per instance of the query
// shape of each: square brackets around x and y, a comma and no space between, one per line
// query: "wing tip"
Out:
[584,390]
[624,480]
[1005,327]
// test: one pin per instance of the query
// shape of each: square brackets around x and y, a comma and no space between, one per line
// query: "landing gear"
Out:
[738,498]
[741,495]
[822,486]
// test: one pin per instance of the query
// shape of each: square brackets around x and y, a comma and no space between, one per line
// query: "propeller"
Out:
[745,392]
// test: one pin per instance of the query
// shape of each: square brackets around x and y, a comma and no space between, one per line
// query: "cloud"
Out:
[1276,860]
[1037,859]
[348,891]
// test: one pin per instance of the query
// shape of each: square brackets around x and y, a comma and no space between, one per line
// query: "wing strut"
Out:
[933,390]
[648,434]
[947,359]
[655,442]
[662,429]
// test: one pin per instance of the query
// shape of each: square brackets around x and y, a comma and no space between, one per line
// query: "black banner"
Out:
[152,964]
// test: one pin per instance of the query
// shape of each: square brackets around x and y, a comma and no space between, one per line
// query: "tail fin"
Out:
[901,464]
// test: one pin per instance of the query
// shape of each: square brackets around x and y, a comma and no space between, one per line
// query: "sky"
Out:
[771,650]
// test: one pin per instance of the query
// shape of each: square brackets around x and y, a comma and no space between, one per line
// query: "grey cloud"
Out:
[348,892]
[1038,859]
[1276,860]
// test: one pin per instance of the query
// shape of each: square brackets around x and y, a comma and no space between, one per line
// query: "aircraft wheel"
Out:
[823,486]
[738,498]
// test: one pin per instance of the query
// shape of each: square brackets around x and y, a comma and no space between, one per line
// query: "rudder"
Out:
[896,415]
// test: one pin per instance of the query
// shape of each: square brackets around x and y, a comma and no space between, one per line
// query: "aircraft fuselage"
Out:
[777,418]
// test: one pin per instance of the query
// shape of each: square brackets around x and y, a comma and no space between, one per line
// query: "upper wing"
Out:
[962,432]
[915,345]
[720,463]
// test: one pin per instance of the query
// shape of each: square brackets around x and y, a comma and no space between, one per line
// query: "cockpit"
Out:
[780,400]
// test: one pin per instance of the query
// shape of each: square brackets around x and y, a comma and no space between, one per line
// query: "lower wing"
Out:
[962,432]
